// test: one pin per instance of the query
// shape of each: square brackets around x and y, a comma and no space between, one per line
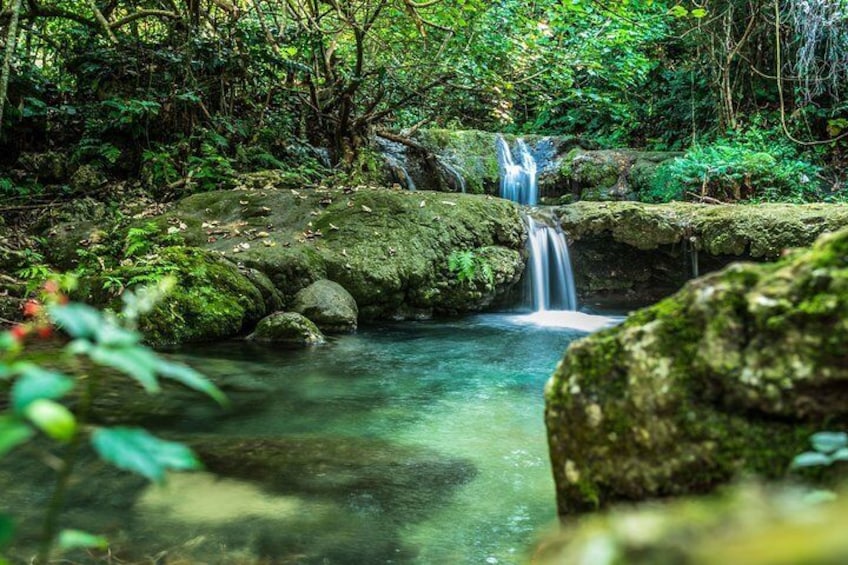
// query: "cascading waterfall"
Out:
[518,179]
[551,277]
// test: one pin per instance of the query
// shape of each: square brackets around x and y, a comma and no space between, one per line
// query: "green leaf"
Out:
[13,432]
[136,450]
[52,418]
[7,530]
[76,539]
[77,320]
[698,13]
[137,362]
[678,11]
[828,442]
[35,383]
[840,454]
[190,378]
[810,459]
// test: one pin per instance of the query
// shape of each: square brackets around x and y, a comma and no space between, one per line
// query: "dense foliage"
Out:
[184,94]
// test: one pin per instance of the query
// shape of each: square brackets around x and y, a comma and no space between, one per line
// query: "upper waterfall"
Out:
[518,176]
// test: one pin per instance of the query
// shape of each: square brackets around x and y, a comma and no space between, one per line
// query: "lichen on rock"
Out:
[729,375]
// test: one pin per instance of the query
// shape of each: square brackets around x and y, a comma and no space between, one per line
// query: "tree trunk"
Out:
[11,44]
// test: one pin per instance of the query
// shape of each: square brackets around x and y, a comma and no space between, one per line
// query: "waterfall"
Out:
[551,277]
[518,179]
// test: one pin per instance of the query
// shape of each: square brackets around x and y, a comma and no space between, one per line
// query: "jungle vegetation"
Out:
[180,94]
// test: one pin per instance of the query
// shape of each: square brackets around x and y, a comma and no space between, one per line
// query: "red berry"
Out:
[31,308]
[51,287]
[44,332]
[19,332]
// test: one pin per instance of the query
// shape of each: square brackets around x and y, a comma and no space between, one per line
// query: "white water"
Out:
[551,277]
[518,177]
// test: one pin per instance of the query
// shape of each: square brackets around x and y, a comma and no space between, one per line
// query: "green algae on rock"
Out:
[288,329]
[729,375]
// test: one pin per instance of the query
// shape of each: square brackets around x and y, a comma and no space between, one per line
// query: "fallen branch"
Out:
[704,199]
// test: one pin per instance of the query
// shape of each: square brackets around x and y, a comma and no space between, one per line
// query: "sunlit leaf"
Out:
[190,378]
[136,450]
[35,383]
[828,442]
[77,320]
[52,418]
[13,432]
[698,13]
[810,459]
[76,539]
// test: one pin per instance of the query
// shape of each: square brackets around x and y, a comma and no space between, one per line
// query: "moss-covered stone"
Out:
[288,329]
[212,298]
[329,305]
[729,375]
[601,174]
[472,152]
[642,252]
[749,524]
[388,248]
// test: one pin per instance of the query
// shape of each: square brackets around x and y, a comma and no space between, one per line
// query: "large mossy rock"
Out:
[328,305]
[211,298]
[731,374]
[288,329]
[618,174]
[644,252]
[389,249]
[749,524]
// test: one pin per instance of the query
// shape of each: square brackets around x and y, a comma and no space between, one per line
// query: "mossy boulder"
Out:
[730,375]
[388,248]
[212,298]
[328,305]
[643,252]
[288,329]
[749,524]
[471,152]
[618,174]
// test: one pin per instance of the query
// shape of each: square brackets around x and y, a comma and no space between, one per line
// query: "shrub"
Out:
[734,171]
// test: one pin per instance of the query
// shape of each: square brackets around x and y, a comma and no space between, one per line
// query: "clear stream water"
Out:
[403,443]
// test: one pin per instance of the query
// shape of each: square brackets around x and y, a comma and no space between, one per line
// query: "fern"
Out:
[463,264]
[138,240]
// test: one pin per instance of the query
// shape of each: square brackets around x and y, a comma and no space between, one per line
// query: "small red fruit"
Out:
[44,332]
[19,332]
[32,308]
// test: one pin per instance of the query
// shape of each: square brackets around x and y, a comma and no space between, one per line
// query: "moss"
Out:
[731,374]
[388,248]
[764,230]
[212,299]
[472,152]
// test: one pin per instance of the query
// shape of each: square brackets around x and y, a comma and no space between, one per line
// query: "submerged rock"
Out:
[288,328]
[328,305]
[731,374]
[750,524]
